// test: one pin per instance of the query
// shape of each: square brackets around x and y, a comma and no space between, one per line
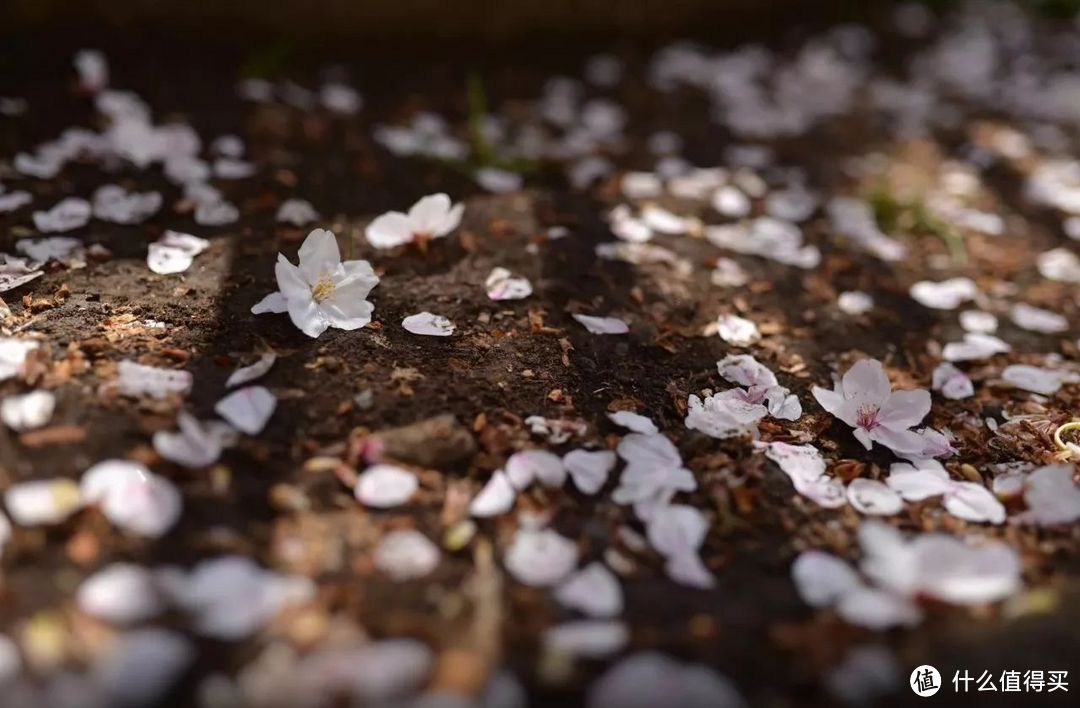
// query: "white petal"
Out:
[913,483]
[593,591]
[686,568]
[132,497]
[389,230]
[952,382]
[1036,379]
[677,529]
[42,501]
[737,330]
[385,486]
[31,410]
[121,593]
[1036,319]
[877,610]
[650,679]
[406,554]
[589,470]
[497,497]
[135,380]
[428,324]
[502,285]
[525,466]
[974,502]
[247,409]
[602,325]
[870,496]
[272,303]
[247,374]
[822,578]
[319,255]
[946,295]
[142,666]
[1051,496]
[952,571]
[745,370]
[540,558]
[633,422]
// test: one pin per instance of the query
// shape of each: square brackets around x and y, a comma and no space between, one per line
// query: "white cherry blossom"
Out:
[432,217]
[323,291]
[864,399]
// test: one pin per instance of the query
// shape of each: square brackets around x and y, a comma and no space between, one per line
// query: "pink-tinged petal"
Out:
[903,409]
[290,280]
[389,230]
[835,403]
[866,381]
[319,255]
[307,316]
[902,442]
[974,502]
[952,571]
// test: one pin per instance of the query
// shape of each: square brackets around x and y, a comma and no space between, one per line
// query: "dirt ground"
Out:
[505,362]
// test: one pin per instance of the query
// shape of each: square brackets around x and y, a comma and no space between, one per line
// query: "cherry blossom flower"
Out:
[431,217]
[864,399]
[323,291]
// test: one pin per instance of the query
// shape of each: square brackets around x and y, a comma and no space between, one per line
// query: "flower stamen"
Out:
[322,289]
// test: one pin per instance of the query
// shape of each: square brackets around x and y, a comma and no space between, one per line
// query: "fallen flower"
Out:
[247,409]
[864,399]
[323,291]
[432,217]
[426,323]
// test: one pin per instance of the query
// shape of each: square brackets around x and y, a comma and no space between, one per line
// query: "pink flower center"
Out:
[866,417]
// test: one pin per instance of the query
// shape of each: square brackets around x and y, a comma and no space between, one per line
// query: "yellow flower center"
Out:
[323,289]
